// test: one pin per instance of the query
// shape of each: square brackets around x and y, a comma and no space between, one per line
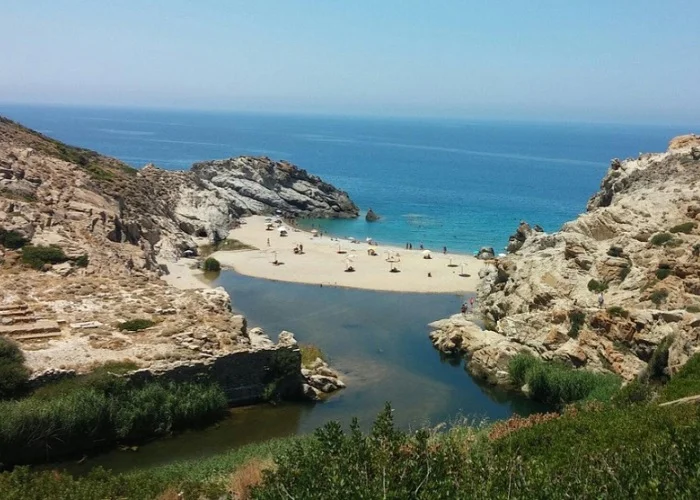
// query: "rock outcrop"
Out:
[371,216]
[115,227]
[638,243]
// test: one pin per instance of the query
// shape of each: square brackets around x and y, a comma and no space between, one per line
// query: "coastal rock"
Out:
[543,298]
[321,378]
[371,216]
[516,240]
[486,253]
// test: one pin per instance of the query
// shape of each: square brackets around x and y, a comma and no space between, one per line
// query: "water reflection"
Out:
[377,340]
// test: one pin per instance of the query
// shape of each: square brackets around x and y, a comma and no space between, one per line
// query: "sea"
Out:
[462,184]
[456,183]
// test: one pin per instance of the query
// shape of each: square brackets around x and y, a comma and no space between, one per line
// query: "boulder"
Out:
[371,216]
[486,253]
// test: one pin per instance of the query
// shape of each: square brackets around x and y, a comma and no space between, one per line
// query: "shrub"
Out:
[633,393]
[12,239]
[577,319]
[519,366]
[661,239]
[618,312]
[663,273]
[211,265]
[658,296]
[656,367]
[38,256]
[134,325]
[685,228]
[34,427]
[684,383]
[597,286]
[82,261]
[624,272]
[309,353]
[13,374]
[615,251]
[693,309]
[556,384]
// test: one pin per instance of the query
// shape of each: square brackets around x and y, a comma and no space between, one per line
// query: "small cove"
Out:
[377,340]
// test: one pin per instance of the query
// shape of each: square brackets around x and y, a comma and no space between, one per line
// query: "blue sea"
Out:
[461,184]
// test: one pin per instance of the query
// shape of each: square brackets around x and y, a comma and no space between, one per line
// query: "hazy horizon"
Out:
[628,62]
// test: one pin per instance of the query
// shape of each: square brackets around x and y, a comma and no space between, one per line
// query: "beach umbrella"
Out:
[426,254]
[368,239]
[314,231]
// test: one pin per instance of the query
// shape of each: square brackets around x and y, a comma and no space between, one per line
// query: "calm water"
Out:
[456,183]
[377,340]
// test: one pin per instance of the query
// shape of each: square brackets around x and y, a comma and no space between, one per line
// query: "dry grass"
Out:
[247,476]
[169,494]
[309,353]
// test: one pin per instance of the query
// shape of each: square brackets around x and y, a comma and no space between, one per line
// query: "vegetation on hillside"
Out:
[37,257]
[11,239]
[13,373]
[211,265]
[135,325]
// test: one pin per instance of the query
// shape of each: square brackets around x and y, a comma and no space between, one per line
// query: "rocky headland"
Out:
[636,248]
[110,231]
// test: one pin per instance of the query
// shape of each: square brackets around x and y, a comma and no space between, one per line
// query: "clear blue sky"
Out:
[609,60]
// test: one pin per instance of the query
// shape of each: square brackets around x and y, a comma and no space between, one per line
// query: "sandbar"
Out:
[321,264]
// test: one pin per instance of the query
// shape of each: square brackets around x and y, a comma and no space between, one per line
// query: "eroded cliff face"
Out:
[638,240]
[118,227]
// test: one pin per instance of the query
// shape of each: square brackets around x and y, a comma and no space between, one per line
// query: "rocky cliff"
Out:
[638,243]
[111,229]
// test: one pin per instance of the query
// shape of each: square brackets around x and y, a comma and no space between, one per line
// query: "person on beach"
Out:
[421,246]
[465,308]
[410,246]
[444,250]
[301,248]
[471,303]
[268,242]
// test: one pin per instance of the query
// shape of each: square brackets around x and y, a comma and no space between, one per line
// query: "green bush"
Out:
[13,374]
[43,428]
[82,261]
[38,256]
[659,296]
[661,239]
[211,265]
[134,325]
[635,392]
[556,384]
[663,273]
[686,228]
[577,319]
[597,286]
[618,312]
[12,239]
[684,383]
[518,367]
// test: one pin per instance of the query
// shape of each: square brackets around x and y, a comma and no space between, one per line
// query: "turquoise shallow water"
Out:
[459,184]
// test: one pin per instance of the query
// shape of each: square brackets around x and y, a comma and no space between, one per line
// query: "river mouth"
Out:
[379,343]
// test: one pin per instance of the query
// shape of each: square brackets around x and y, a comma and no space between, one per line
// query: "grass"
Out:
[557,384]
[12,239]
[309,353]
[37,257]
[13,374]
[82,261]
[48,425]
[684,383]
[686,227]
[135,325]
[211,265]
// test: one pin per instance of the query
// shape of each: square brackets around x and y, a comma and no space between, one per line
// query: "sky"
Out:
[595,60]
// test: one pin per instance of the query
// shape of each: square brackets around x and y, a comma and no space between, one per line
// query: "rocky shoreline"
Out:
[105,233]
[636,249]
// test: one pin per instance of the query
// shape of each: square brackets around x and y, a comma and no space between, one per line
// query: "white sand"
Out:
[184,275]
[321,264]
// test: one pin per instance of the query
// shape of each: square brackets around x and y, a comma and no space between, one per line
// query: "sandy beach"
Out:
[321,264]
[184,275]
